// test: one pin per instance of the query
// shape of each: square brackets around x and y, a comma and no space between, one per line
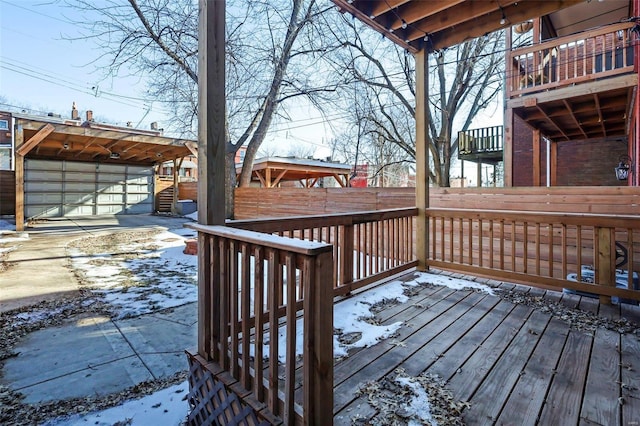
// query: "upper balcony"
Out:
[484,145]
[575,87]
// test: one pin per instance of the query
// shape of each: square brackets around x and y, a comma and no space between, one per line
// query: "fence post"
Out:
[318,341]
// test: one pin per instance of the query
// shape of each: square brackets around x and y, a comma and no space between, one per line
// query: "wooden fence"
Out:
[251,203]
[252,289]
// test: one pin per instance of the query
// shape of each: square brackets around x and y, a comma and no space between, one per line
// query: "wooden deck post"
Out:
[19,168]
[422,159]
[318,343]
[211,150]
[536,157]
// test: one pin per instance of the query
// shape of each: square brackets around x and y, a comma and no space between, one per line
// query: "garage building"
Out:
[66,167]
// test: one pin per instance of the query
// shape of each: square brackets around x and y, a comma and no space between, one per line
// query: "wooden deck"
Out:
[515,364]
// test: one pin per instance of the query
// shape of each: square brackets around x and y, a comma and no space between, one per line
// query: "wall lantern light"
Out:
[624,167]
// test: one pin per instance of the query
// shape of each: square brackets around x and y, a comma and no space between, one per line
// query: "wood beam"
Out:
[260,178]
[558,94]
[382,7]
[554,164]
[421,14]
[422,159]
[339,178]
[456,13]
[514,13]
[279,177]
[573,116]
[193,147]
[603,128]
[552,121]
[509,122]
[536,157]
[211,117]
[19,169]
[177,163]
[211,160]
[45,131]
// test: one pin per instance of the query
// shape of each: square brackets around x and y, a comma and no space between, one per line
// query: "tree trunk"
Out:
[230,184]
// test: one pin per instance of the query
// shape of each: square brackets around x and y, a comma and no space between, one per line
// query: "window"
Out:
[5,157]
[4,125]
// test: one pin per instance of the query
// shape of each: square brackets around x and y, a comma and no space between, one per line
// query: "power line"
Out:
[35,11]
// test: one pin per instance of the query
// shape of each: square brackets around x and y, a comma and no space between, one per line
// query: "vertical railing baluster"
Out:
[245,306]
[491,236]
[274,283]
[234,309]
[579,252]
[564,251]
[480,242]
[537,247]
[258,310]
[551,266]
[224,303]
[291,331]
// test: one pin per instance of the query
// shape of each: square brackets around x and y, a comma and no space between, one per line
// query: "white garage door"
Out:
[70,188]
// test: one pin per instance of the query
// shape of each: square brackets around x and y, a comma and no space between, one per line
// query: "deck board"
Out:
[374,369]
[600,404]
[494,391]
[466,380]
[527,398]
[457,355]
[564,399]
[630,378]
[513,363]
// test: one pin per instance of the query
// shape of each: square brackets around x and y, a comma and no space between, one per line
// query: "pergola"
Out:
[271,171]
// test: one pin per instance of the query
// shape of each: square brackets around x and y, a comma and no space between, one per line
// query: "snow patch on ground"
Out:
[165,407]
[418,406]
[452,283]
[153,279]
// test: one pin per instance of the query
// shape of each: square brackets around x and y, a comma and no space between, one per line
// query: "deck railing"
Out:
[480,141]
[572,251]
[368,246]
[564,61]
[252,289]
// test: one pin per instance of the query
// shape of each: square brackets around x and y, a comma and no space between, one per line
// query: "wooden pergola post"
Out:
[19,168]
[211,151]
[422,159]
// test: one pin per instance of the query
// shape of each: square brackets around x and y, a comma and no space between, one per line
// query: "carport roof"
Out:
[55,138]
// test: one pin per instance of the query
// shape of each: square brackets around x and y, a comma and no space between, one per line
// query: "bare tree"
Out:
[463,81]
[270,47]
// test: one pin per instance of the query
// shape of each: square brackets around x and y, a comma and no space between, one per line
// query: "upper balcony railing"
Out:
[487,140]
[564,61]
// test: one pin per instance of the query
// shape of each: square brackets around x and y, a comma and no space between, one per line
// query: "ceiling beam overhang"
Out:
[433,25]
[34,140]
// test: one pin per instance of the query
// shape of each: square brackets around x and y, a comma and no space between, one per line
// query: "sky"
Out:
[42,69]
